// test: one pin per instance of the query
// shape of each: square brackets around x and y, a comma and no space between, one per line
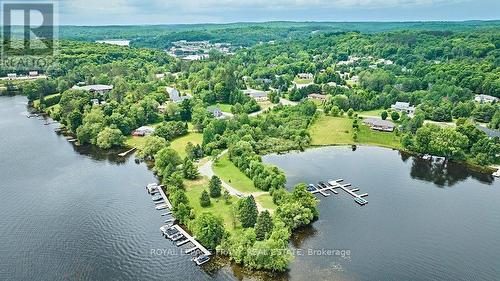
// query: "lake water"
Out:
[423,221]
[76,213]
[69,213]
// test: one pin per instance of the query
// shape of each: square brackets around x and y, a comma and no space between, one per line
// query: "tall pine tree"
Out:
[215,186]
[248,212]
[204,199]
[264,226]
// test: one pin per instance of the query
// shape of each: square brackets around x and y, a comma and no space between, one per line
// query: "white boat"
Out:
[161,207]
[497,173]
[201,259]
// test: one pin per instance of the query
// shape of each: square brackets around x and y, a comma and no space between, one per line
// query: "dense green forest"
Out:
[438,70]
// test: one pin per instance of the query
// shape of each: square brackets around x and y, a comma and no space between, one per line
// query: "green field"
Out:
[224,107]
[338,130]
[297,80]
[371,137]
[218,206]
[178,144]
[331,130]
[228,172]
[266,201]
[371,113]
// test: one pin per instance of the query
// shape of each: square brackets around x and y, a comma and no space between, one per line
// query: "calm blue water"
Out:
[77,214]
[70,213]
[423,221]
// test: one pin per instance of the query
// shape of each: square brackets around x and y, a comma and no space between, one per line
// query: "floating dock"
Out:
[181,237]
[167,203]
[330,186]
[123,154]
[193,241]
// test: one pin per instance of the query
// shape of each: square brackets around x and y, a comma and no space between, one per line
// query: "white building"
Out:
[143,131]
[256,94]
[305,75]
[403,107]
[99,89]
[485,98]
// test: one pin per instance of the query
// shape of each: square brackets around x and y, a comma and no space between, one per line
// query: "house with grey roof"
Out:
[379,124]
[256,94]
[175,96]
[216,112]
[403,107]
[485,98]
[97,89]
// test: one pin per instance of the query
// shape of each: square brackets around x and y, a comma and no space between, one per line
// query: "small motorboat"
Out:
[157,198]
[311,187]
[201,259]
[161,207]
[497,174]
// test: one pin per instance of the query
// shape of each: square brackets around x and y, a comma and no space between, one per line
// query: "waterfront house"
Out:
[485,98]
[143,131]
[403,107]
[256,94]
[379,124]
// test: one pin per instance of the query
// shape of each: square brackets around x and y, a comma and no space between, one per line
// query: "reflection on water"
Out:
[409,230]
[443,173]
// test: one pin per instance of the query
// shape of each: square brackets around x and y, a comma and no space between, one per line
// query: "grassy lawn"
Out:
[226,170]
[218,206]
[297,80]
[331,130]
[371,137]
[371,113]
[266,201]
[265,104]
[338,130]
[225,107]
[179,144]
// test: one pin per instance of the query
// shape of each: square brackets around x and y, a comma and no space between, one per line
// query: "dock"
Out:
[123,154]
[331,186]
[167,203]
[193,241]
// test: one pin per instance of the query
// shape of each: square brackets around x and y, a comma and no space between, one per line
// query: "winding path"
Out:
[207,171]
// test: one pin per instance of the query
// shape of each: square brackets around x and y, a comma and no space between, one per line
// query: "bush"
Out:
[205,199]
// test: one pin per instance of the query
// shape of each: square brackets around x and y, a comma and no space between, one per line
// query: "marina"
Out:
[173,231]
[330,186]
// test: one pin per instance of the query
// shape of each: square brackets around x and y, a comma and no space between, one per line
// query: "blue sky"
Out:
[105,12]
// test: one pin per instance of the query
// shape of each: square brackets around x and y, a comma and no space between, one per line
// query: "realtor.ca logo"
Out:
[28,35]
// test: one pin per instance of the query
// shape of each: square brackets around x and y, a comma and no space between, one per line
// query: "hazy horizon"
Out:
[168,12]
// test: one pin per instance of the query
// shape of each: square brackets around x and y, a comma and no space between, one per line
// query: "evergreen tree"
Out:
[189,170]
[226,197]
[204,199]
[384,115]
[215,186]
[248,211]
[264,225]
